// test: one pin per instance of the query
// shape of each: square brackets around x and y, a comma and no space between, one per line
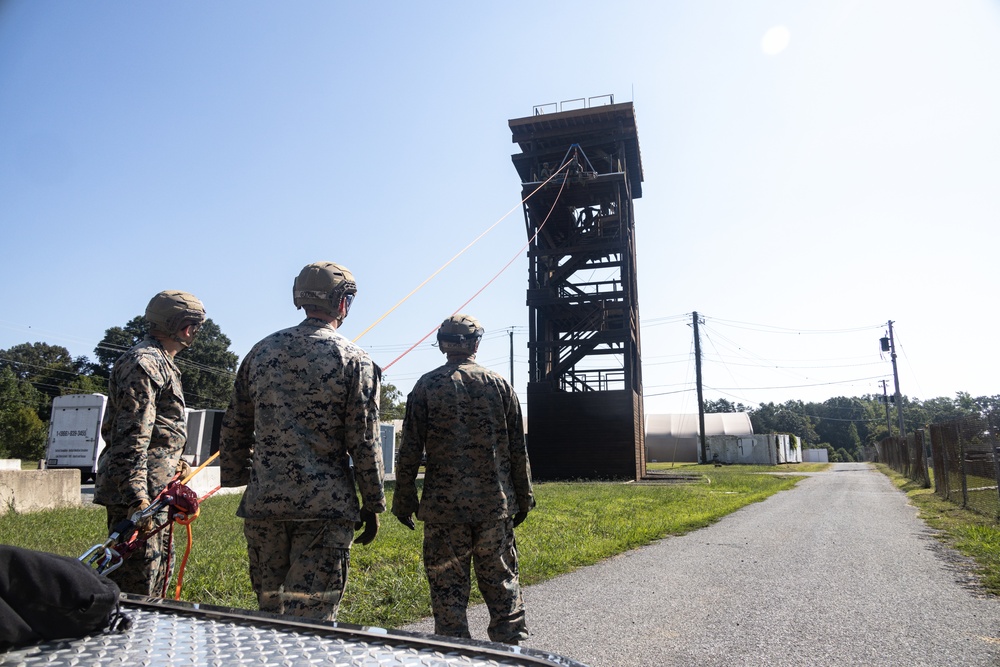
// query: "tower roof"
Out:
[602,133]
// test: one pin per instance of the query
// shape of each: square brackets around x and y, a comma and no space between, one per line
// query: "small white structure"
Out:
[675,438]
[387,431]
[204,430]
[815,456]
[771,449]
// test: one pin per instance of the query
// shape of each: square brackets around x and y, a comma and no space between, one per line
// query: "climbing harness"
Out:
[183,507]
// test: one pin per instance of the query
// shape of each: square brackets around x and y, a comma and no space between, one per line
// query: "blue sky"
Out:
[798,198]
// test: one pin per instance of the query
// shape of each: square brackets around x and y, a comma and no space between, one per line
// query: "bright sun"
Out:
[775,40]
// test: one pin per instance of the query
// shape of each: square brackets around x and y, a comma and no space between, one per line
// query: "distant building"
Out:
[815,456]
[674,437]
[768,450]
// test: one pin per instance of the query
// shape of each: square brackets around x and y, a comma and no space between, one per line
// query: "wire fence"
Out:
[965,454]
[906,456]
[965,459]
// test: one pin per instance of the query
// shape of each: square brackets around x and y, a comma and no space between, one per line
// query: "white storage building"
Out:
[674,437]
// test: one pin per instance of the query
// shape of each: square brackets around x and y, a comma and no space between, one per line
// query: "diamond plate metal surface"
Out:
[167,634]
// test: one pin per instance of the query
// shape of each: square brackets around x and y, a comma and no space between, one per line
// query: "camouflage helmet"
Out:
[171,310]
[322,285]
[459,333]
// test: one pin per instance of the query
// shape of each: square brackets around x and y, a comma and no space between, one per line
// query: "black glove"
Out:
[369,521]
[519,518]
[407,520]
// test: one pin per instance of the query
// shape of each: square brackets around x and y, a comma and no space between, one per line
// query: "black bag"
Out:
[44,596]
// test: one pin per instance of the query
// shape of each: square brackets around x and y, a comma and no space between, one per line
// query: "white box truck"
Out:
[75,433]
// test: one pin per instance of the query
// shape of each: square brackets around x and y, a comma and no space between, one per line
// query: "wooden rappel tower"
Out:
[580,171]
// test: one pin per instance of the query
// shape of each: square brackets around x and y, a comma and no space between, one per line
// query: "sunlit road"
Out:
[837,571]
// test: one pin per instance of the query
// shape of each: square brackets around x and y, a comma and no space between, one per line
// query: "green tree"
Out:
[48,368]
[789,417]
[88,384]
[22,431]
[723,405]
[35,362]
[877,430]
[989,410]
[116,341]
[842,420]
[207,367]
[915,413]
[391,403]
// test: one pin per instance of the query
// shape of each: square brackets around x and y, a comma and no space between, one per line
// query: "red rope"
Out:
[186,522]
[506,266]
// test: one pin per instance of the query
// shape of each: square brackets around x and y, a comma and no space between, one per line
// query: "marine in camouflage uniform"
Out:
[145,429]
[306,399]
[477,484]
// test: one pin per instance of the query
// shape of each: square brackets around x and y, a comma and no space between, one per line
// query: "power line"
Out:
[870,363]
[798,386]
[783,330]
[874,418]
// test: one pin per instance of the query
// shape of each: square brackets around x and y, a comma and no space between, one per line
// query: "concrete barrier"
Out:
[33,490]
[10,464]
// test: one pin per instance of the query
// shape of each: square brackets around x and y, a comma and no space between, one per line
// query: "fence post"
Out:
[961,465]
[908,448]
[946,438]
[952,439]
[920,444]
[935,460]
[996,465]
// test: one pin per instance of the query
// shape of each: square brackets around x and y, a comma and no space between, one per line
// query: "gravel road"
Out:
[837,571]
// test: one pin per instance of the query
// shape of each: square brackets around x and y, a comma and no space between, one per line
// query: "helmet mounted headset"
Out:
[323,286]
[170,311]
[460,333]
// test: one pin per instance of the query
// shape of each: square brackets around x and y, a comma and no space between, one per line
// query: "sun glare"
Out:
[775,40]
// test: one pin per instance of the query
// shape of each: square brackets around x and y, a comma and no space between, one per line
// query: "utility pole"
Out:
[895,377]
[885,400]
[512,356]
[701,401]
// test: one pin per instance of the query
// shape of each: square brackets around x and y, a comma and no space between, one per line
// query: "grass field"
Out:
[575,524]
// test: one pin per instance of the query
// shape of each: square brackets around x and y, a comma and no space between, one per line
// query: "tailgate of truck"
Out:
[165,632]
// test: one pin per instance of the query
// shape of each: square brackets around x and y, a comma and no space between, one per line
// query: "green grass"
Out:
[666,466]
[575,524]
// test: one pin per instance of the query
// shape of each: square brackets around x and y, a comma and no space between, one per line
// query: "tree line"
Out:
[32,374]
[846,425]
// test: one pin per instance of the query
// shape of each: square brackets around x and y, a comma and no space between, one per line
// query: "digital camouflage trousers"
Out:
[450,550]
[299,568]
[146,570]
